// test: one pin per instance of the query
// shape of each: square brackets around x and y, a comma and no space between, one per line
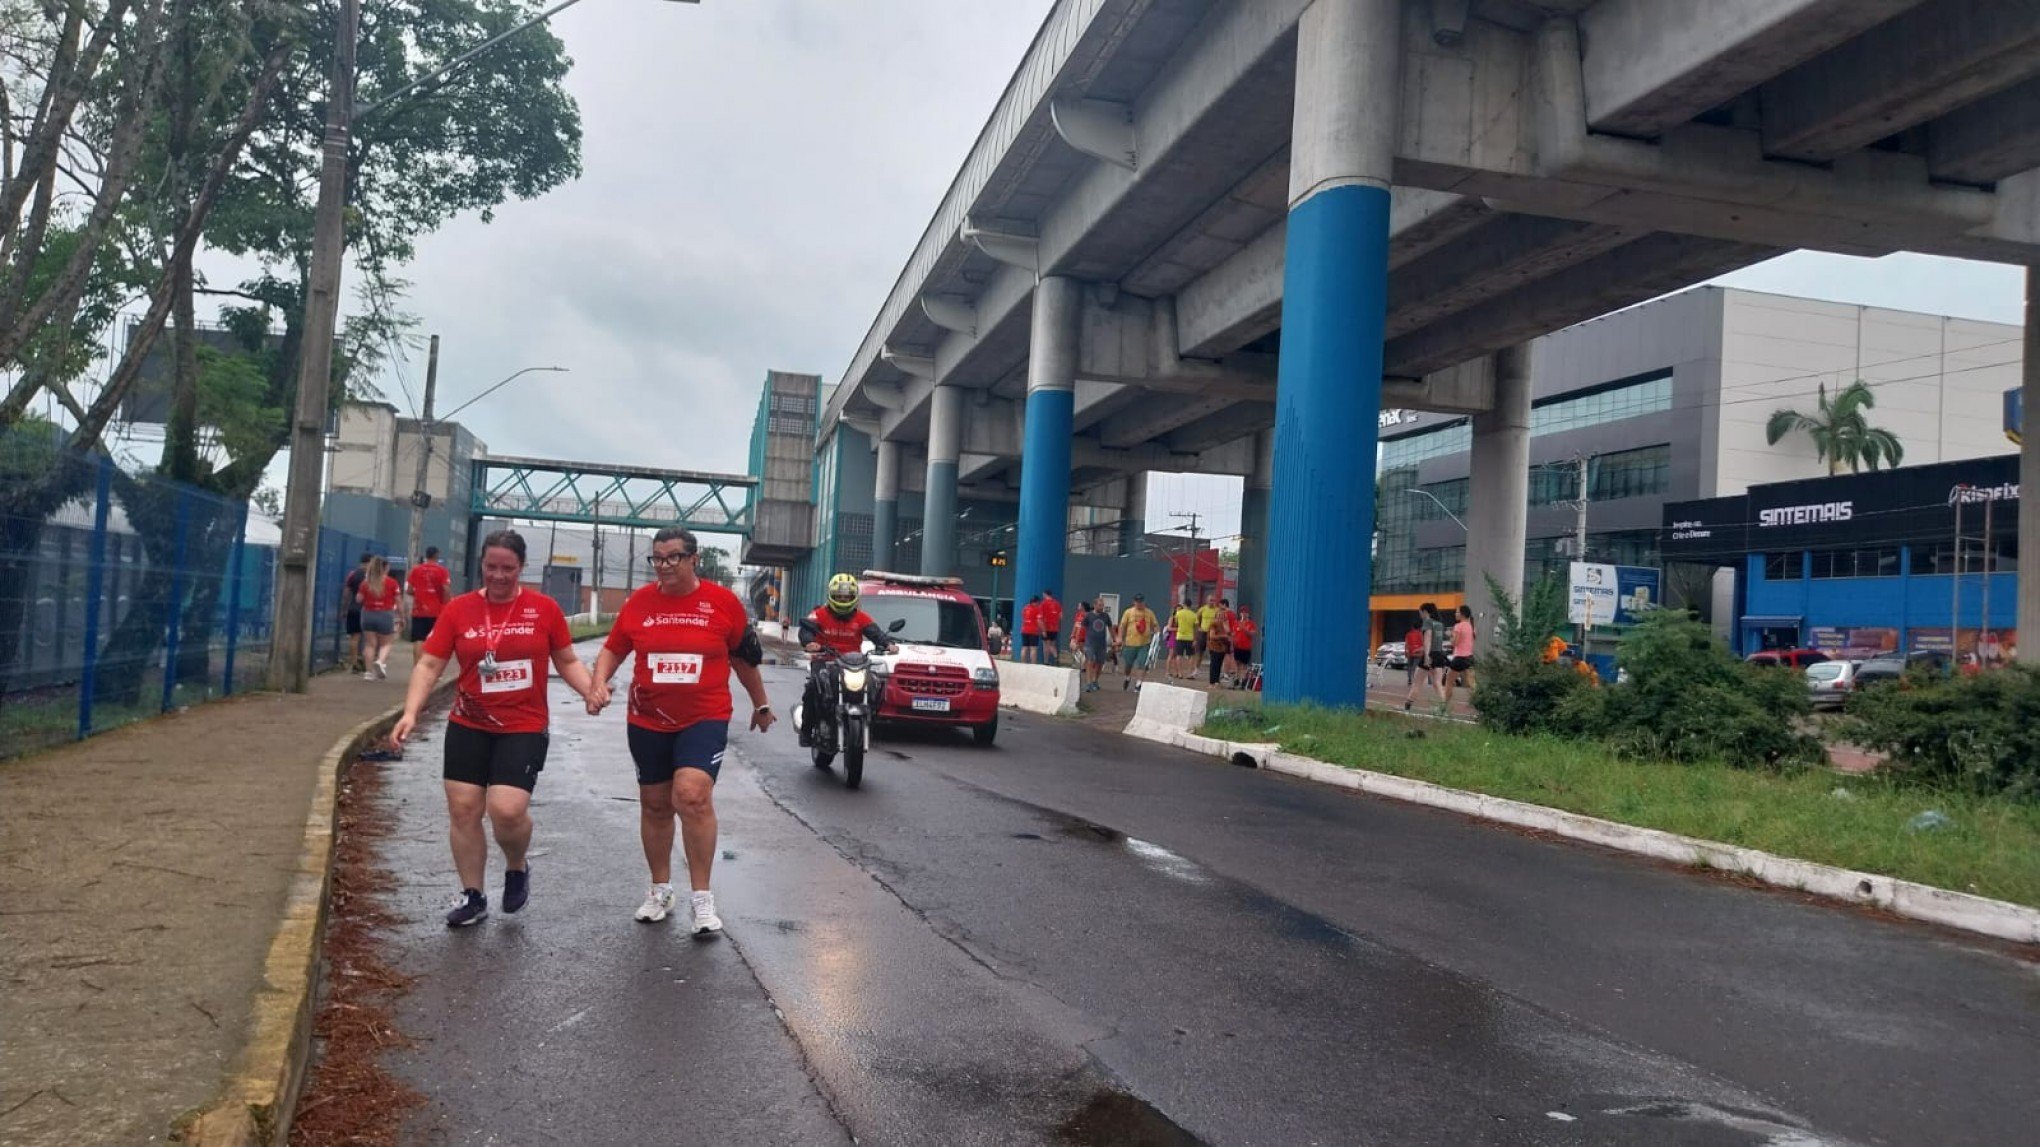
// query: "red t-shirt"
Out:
[1243,634]
[1051,617]
[374,602]
[1030,620]
[683,644]
[428,582]
[524,632]
[842,634]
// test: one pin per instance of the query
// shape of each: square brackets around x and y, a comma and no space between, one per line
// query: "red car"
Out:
[1787,658]
[940,671]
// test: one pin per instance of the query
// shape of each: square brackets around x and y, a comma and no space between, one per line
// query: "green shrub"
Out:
[1980,733]
[1689,698]
[1527,697]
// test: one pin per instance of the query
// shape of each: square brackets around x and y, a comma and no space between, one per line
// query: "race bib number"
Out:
[675,668]
[508,677]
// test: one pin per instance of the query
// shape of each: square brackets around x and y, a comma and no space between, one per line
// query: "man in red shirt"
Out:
[837,625]
[427,584]
[1030,631]
[1051,628]
[688,635]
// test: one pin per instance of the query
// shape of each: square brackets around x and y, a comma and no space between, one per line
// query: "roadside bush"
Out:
[1518,693]
[1980,734]
[1688,698]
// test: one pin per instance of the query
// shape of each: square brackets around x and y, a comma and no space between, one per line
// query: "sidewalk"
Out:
[142,876]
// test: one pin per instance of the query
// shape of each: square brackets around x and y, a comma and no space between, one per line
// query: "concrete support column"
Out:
[1498,492]
[885,507]
[938,513]
[1133,514]
[1045,457]
[1254,525]
[2028,647]
[1334,303]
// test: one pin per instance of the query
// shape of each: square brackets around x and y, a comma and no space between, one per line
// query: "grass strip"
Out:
[1990,847]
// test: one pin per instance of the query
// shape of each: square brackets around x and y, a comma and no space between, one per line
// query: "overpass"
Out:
[1219,237]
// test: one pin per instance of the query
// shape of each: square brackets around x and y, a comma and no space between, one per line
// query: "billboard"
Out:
[1603,594]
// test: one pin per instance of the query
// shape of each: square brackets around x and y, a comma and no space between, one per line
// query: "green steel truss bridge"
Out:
[550,490]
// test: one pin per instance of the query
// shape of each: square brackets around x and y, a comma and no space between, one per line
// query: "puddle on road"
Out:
[1151,856]
[1122,1120]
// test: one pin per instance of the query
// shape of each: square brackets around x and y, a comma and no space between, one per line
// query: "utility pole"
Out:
[1190,560]
[1580,508]
[290,662]
[1989,552]
[1955,582]
[420,497]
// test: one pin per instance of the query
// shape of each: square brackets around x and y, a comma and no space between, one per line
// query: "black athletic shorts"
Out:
[1438,660]
[1029,640]
[1185,648]
[660,755]
[478,757]
[421,627]
[1243,654]
[1461,664]
[353,623]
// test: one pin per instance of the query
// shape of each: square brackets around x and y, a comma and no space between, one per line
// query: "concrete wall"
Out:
[1939,381]
[364,451]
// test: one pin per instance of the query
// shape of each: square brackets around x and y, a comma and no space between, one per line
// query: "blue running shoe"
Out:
[516,888]
[470,907]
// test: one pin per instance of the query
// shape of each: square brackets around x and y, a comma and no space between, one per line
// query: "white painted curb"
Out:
[1978,914]
[1045,689]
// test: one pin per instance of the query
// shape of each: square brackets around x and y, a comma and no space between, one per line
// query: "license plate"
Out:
[931,704]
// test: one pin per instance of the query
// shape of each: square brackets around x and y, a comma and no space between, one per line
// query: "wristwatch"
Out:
[765,708]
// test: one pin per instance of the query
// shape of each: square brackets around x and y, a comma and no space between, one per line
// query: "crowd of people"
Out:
[372,601]
[1212,640]
[1439,658]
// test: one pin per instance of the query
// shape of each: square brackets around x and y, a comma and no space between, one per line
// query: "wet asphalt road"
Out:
[1077,937]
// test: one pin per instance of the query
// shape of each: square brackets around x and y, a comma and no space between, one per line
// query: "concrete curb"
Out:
[261,1092]
[1049,690]
[1978,914]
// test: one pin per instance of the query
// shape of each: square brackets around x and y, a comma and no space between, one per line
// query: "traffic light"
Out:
[996,559]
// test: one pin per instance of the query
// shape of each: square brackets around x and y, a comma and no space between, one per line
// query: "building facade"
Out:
[374,468]
[1667,402]
[1919,558]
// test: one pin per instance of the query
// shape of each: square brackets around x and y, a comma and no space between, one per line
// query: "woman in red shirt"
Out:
[688,636]
[378,597]
[496,736]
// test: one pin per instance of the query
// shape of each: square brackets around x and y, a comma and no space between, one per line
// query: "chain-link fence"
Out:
[124,596]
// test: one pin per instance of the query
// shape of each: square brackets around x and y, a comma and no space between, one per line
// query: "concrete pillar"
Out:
[2028,648]
[885,507]
[1334,303]
[1045,457]
[938,513]
[1254,525]
[1498,492]
[1133,514]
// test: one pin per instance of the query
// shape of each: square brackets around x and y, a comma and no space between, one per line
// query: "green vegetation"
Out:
[583,630]
[1841,435]
[1991,846]
[1976,734]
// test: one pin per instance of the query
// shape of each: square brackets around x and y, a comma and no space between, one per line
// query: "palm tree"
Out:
[1841,435]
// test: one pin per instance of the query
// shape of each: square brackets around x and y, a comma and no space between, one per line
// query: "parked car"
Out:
[1829,683]
[1391,656]
[939,672]
[1886,668]
[1787,658]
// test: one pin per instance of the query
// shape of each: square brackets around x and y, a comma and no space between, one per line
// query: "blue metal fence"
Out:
[135,595]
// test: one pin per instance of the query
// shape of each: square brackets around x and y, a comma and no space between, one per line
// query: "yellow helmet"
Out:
[843,595]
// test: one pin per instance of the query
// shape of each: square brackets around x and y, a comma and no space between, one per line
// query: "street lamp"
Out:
[1423,493]
[420,498]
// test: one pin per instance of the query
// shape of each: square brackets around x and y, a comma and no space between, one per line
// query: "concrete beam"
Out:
[1641,270]
[1654,64]
[1156,416]
[1506,252]
[1924,64]
[1233,424]
[1990,139]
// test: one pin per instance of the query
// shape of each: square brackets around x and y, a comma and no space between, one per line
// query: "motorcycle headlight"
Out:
[853,680]
[986,676]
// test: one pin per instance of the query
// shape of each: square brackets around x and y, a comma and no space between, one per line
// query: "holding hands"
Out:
[597,698]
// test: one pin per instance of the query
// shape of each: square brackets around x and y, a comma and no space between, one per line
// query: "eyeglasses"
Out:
[657,561]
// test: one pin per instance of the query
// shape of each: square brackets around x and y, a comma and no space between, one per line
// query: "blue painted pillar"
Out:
[1045,449]
[1334,302]
[1254,525]
[885,507]
[938,517]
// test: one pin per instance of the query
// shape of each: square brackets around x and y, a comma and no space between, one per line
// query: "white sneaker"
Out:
[658,902]
[381,671]
[706,922]
[368,676]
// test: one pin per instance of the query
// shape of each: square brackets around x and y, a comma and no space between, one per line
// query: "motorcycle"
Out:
[843,684]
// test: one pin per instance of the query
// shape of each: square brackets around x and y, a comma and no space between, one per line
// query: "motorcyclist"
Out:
[837,625]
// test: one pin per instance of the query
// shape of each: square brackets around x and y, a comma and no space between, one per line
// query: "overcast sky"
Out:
[757,172]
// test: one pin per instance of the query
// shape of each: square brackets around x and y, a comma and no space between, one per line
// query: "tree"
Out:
[1841,435]
[714,565]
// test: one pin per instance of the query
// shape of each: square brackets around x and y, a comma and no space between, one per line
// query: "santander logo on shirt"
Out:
[521,629]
